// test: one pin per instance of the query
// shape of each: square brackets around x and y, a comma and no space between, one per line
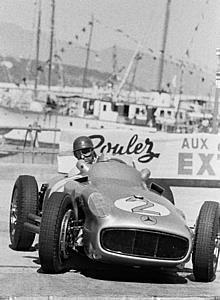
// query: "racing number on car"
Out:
[144,209]
[139,205]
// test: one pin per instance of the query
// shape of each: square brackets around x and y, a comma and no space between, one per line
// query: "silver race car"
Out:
[112,213]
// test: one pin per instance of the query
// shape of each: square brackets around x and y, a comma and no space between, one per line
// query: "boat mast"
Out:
[114,62]
[182,67]
[127,72]
[217,93]
[137,59]
[51,43]
[37,50]
[161,61]
[50,65]
[87,54]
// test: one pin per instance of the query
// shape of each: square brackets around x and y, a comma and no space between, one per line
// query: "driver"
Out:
[83,149]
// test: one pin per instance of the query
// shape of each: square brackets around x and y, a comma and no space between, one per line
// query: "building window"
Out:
[137,110]
[162,113]
[104,107]
[114,107]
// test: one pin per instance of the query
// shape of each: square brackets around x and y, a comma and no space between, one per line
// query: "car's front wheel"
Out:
[58,231]
[206,242]
[24,201]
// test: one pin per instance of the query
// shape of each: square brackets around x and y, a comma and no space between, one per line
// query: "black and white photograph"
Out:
[109,149]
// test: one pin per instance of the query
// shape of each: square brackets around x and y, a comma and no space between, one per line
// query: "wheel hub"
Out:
[67,236]
[216,251]
[13,214]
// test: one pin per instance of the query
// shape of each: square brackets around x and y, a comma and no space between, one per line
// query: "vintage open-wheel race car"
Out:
[111,213]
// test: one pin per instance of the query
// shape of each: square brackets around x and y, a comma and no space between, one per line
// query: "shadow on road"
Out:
[97,270]
[32,249]
[101,271]
[125,274]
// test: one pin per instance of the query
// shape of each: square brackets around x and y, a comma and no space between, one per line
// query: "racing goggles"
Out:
[83,153]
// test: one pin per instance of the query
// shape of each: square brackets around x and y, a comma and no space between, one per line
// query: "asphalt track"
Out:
[21,277]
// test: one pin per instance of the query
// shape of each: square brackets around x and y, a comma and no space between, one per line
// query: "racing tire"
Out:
[167,193]
[206,242]
[24,200]
[58,213]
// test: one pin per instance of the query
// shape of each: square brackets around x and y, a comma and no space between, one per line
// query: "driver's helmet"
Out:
[83,149]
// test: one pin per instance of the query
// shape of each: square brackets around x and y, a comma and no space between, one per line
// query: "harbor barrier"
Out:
[191,160]
[29,142]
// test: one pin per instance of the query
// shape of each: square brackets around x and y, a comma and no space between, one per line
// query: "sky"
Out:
[193,31]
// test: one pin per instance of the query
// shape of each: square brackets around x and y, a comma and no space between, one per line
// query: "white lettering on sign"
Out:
[207,164]
[141,206]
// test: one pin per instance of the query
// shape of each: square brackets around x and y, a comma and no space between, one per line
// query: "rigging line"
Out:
[184,62]
[77,44]
[191,41]
[150,51]
[59,60]
[186,55]
[202,17]
[128,36]
[137,53]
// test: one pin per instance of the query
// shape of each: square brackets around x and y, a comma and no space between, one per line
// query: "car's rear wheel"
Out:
[206,242]
[24,201]
[58,231]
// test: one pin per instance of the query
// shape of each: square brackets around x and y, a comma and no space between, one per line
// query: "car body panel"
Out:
[115,197]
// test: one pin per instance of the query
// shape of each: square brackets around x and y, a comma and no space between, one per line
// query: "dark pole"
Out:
[137,59]
[216,103]
[37,49]
[114,61]
[182,66]
[161,61]
[88,53]
[51,44]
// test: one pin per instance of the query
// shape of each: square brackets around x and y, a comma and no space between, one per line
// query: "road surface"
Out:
[20,274]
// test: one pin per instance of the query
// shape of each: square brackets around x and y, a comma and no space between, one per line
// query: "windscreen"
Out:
[114,171]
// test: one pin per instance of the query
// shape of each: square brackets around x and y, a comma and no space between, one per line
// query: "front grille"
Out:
[141,243]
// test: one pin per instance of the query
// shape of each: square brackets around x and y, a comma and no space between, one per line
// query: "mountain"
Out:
[18,46]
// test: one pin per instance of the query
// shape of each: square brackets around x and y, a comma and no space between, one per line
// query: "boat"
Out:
[60,109]
[55,107]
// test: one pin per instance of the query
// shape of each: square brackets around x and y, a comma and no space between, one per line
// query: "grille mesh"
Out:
[149,244]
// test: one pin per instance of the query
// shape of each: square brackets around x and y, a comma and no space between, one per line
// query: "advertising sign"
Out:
[185,156]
